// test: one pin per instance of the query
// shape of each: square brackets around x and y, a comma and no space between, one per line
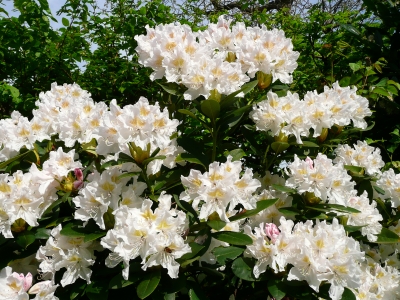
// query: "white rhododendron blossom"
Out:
[218,59]
[318,253]
[16,286]
[291,116]
[69,111]
[361,155]
[322,179]
[389,182]
[154,235]
[71,253]
[220,189]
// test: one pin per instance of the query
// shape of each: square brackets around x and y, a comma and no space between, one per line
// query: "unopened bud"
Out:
[215,95]
[19,225]
[281,137]
[231,57]
[264,80]
[311,199]
[323,135]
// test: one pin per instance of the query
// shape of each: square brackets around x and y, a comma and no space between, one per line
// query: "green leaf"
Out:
[354,169]
[379,190]
[190,158]
[192,295]
[126,158]
[13,91]
[380,91]
[387,237]
[261,205]
[149,284]
[348,294]
[231,98]
[242,267]
[224,253]
[345,81]
[236,154]
[350,228]
[330,207]
[146,161]
[187,112]
[350,28]
[65,22]
[309,144]
[216,224]
[170,88]
[233,238]
[355,67]
[24,239]
[279,147]
[185,206]
[210,108]
[18,157]
[276,288]
[72,230]
[42,234]
[284,189]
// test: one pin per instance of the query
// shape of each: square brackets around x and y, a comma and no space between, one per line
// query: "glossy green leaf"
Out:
[237,154]
[210,108]
[192,295]
[233,238]
[24,239]
[224,253]
[65,22]
[387,237]
[15,158]
[216,224]
[189,158]
[350,28]
[187,112]
[284,189]
[231,98]
[150,282]
[242,267]
[276,288]
[279,147]
[348,294]
[309,144]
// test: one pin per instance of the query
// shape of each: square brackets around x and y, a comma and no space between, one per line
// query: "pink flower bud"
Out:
[310,162]
[78,174]
[272,231]
[26,280]
[78,184]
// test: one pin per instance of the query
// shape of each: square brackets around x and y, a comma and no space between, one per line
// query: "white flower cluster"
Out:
[27,195]
[71,253]
[389,182]
[380,276]
[331,183]
[103,192]
[220,189]
[318,253]
[289,115]
[217,58]
[272,213]
[155,236]
[16,286]
[69,112]
[361,155]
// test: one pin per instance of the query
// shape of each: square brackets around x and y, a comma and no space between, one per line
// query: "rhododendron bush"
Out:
[230,186]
